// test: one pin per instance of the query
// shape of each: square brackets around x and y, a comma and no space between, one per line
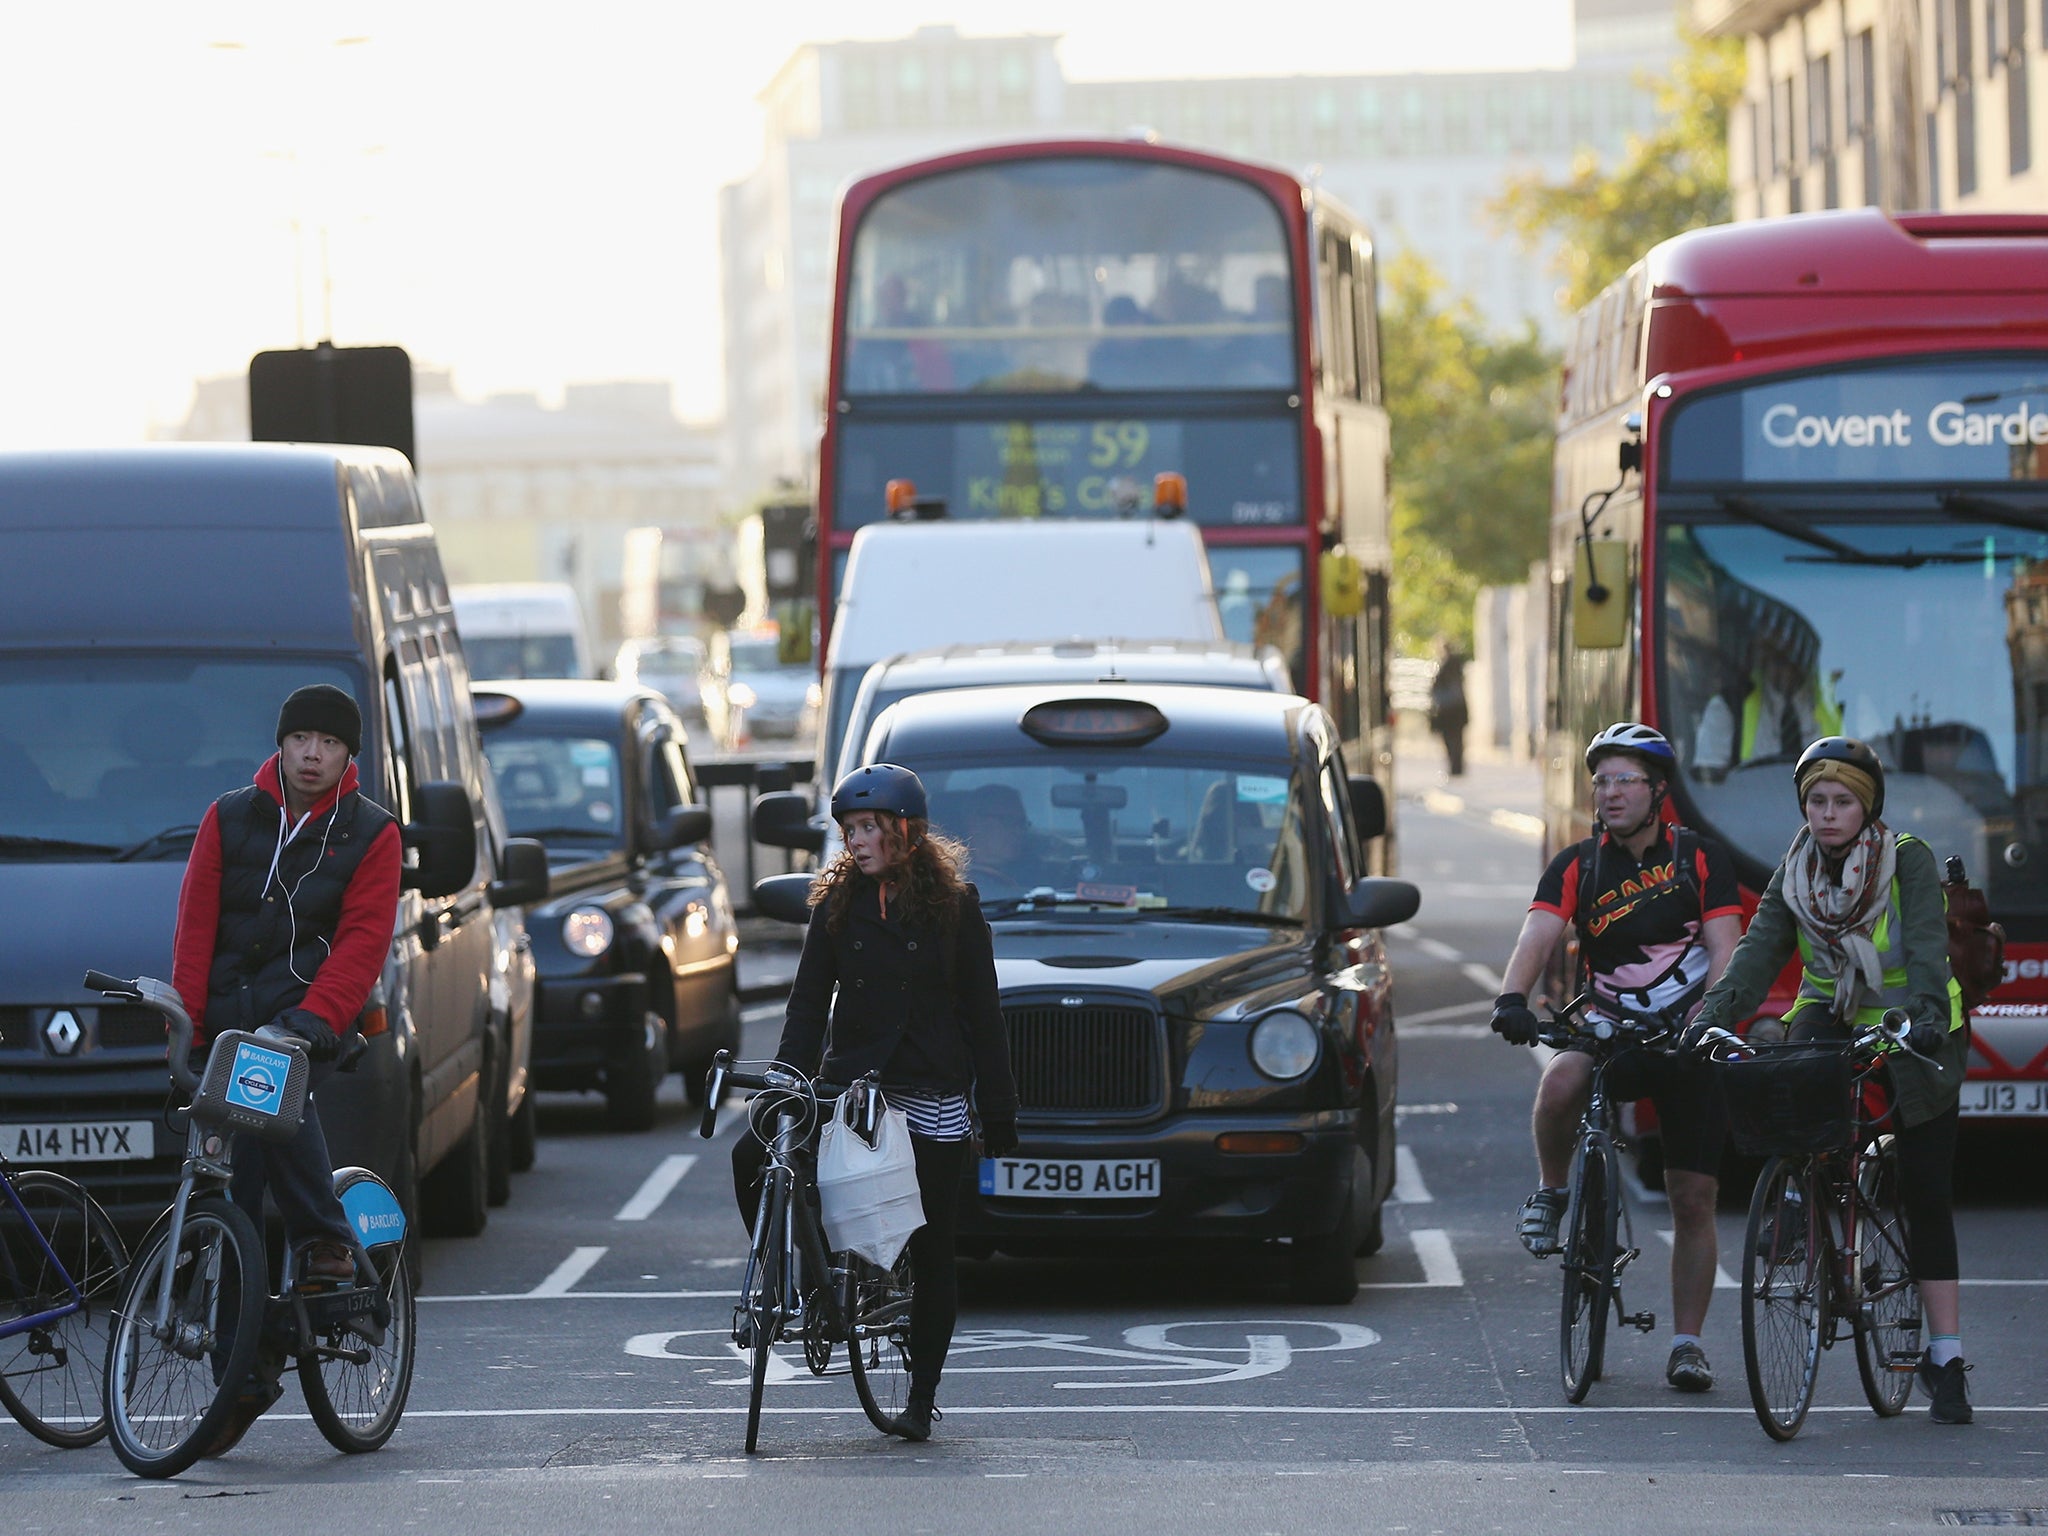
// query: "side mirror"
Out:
[522,874]
[1377,902]
[1599,594]
[443,833]
[682,824]
[786,898]
[1368,806]
[783,820]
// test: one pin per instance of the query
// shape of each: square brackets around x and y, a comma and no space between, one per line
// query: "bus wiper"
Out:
[158,842]
[1987,509]
[1224,915]
[20,842]
[1836,551]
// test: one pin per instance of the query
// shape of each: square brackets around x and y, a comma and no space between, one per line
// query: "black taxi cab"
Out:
[1198,1001]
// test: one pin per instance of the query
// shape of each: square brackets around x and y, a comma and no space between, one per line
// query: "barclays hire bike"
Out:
[793,1288]
[197,1323]
[1599,1239]
[1827,1236]
[61,1267]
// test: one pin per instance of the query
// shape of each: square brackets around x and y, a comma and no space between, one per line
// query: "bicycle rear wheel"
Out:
[761,1305]
[1784,1293]
[169,1394]
[1888,1303]
[357,1383]
[878,1335]
[1588,1269]
[51,1375]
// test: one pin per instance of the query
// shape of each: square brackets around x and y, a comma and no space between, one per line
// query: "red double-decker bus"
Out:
[1804,461]
[1040,330]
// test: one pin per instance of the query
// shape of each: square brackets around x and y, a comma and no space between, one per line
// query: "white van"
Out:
[914,586]
[513,629]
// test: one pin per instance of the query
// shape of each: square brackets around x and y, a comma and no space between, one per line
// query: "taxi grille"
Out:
[1095,1058]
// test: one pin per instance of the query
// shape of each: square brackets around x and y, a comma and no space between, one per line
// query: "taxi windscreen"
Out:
[1135,831]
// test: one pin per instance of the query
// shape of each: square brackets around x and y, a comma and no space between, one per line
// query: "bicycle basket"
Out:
[1788,1101]
[252,1085]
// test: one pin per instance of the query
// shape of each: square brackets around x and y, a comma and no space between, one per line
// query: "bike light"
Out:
[587,931]
[1284,1045]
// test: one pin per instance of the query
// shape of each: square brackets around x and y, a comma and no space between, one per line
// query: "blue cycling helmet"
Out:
[1641,742]
[881,787]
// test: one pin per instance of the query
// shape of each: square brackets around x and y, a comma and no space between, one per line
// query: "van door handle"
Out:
[429,930]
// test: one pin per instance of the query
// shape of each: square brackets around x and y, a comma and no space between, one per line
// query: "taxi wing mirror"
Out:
[787,898]
[1368,806]
[1378,902]
[522,873]
[784,820]
[1599,594]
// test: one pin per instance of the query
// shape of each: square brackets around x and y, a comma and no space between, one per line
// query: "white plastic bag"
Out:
[868,1195]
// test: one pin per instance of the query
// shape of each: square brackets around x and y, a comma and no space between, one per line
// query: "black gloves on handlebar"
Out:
[1513,1020]
[305,1029]
[1925,1038]
[998,1136]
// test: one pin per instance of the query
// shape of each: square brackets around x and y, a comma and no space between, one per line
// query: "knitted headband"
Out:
[1855,780]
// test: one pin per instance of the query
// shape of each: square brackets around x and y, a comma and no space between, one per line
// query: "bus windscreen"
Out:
[1069,274]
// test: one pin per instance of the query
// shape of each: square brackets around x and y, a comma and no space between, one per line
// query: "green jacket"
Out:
[1921,1089]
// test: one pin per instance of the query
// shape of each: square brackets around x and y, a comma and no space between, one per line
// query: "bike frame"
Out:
[75,1305]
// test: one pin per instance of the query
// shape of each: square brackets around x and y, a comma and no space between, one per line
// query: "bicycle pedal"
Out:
[1643,1322]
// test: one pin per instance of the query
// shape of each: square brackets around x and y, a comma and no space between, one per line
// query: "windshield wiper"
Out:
[1836,551]
[157,842]
[1986,509]
[1224,915]
[1049,901]
[21,842]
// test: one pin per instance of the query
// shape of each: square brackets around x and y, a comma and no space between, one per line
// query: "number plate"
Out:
[78,1141]
[1077,1178]
[2017,1099]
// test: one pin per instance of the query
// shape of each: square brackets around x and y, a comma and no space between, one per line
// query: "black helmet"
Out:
[1848,751]
[1641,742]
[880,787]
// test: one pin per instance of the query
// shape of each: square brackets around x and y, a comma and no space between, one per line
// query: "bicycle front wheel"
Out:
[58,1242]
[1784,1293]
[761,1305]
[1887,1301]
[170,1389]
[878,1335]
[1588,1269]
[359,1372]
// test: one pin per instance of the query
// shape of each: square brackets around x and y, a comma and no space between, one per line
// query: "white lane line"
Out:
[1723,1281]
[1440,1269]
[1520,823]
[1408,1186]
[1438,1015]
[1069,1407]
[565,1274]
[1482,978]
[1440,802]
[1437,949]
[648,1197]
[1446,1031]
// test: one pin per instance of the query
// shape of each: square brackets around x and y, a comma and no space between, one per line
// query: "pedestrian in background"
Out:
[1447,713]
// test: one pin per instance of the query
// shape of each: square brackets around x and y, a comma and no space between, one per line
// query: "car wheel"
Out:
[697,1070]
[1323,1271]
[456,1194]
[524,1134]
[631,1085]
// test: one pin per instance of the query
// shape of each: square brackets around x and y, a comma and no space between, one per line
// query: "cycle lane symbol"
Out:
[1194,1353]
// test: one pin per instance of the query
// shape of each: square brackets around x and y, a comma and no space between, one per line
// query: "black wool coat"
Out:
[904,1007]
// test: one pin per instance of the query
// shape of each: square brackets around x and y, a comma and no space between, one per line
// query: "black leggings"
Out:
[1927,1155]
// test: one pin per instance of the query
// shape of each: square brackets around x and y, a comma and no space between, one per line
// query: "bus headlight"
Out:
[1284,1045]
[587,931]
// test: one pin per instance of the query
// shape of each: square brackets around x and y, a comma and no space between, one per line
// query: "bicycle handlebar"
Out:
[776,1076]
[1895,1029]
[164,998]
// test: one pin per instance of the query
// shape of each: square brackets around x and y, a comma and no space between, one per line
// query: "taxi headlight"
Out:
[587,932]
[1284,1045]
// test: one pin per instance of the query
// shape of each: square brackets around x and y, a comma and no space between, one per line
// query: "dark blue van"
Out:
[156,606]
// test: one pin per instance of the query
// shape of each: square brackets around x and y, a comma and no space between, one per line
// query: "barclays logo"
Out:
[379,1221]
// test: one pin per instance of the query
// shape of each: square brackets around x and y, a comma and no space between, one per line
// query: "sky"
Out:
[525,195]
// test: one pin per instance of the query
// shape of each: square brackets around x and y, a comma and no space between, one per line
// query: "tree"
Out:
[1472,419]
[1671,181]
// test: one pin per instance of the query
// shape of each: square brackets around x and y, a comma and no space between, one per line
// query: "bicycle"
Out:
[197,1320]
[1826,1238]
[1599,1238]
[61,1266]
[793,1287]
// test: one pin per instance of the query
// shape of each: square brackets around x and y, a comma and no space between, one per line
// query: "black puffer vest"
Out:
[275,930]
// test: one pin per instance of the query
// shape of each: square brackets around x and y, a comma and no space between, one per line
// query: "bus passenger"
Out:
[1862,907]
[1658,916]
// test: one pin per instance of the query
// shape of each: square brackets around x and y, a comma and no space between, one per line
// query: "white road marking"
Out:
[1437,1015]
[1437,949]
[1440,1269]
[1425,1109]
[1481,977]
[1408,1186]
[1069,1406]
[1441,802]
[1723,1281]
[648,1197]
[567,1273]
[1447,1031]
[1520,823]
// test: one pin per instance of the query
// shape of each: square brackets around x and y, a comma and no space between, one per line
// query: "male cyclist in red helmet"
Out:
[1658,917]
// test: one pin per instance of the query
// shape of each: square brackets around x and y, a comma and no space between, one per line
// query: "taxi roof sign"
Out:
[1094,723]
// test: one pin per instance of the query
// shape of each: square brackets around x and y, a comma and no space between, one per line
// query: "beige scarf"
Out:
[1839,908]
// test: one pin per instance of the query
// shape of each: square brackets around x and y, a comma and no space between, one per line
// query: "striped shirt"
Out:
[934,1116]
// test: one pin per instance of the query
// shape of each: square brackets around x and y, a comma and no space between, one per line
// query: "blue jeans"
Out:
[298,1174]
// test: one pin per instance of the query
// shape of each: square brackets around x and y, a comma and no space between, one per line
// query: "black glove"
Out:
[305,1029]
[1925,1039]
[998,1136]
[1512,1019]
[1695,1037]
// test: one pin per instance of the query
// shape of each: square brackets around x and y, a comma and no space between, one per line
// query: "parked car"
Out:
[673,666]
[635,944]
[156,606]
[523,629]
[1198,1000]
[752,694]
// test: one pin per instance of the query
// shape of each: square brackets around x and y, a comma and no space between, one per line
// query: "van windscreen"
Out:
[111,756]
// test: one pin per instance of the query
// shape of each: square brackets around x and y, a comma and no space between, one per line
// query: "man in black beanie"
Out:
[284,923]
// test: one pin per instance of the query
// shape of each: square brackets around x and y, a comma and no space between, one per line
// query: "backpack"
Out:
[1976,945]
